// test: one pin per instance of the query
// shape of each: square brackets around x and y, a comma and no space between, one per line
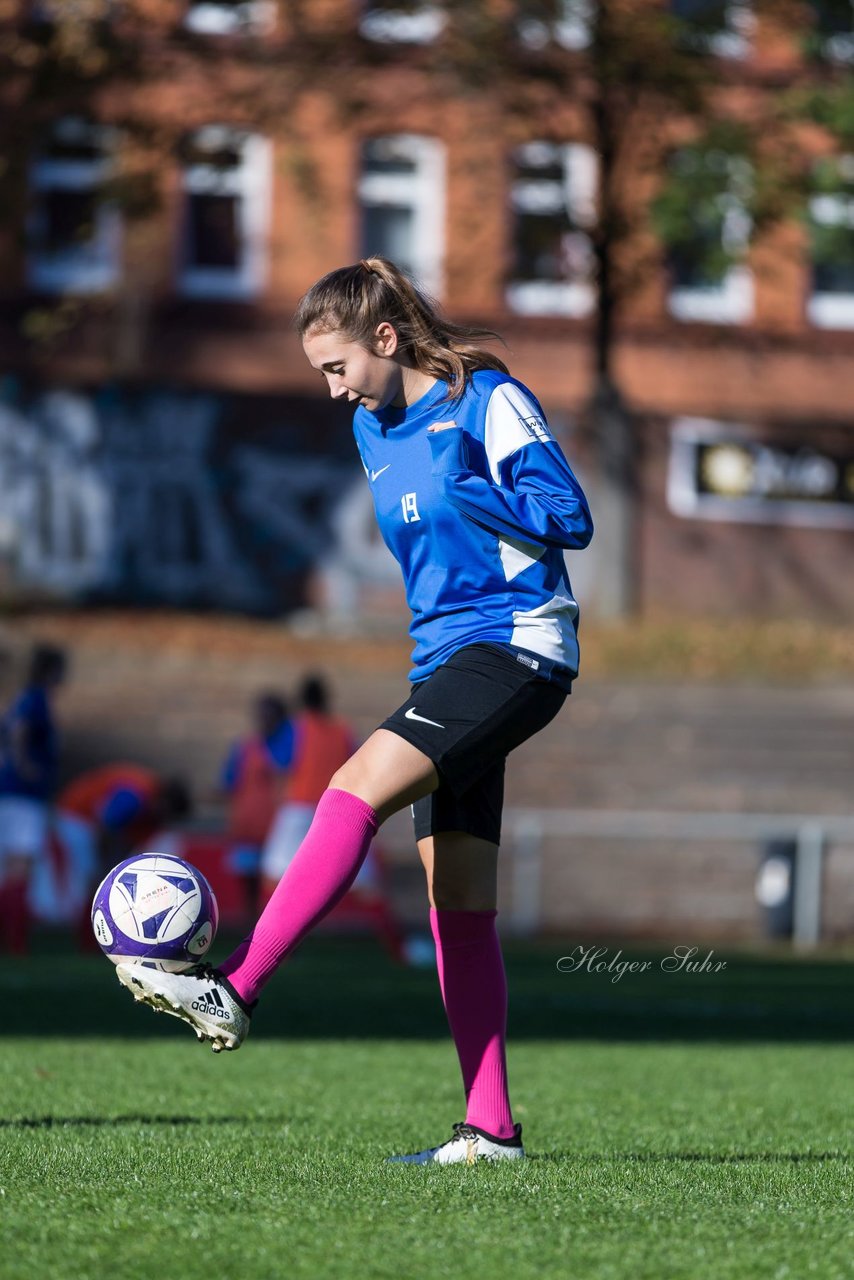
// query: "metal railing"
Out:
[811,834]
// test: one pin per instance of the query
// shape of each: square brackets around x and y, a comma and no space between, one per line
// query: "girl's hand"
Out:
[440,426]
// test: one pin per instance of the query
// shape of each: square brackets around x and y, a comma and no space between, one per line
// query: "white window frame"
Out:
[580,188]
[573,29]
[832,310]
[732,300]
[251,183]
[387,25]
[735,38]
[252,17]
[840,48]
[424,192]
[94,265]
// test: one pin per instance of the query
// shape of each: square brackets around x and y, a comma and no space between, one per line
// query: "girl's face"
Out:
[370,378]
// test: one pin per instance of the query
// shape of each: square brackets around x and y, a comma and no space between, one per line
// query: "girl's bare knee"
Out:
[355,777]
[338,781]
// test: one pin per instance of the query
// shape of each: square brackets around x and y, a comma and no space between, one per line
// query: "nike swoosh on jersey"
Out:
[375,475]
[411,715]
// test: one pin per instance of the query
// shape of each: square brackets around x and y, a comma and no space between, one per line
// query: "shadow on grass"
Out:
[106,1122]
[696,1157]
[553,1157]
[337,988]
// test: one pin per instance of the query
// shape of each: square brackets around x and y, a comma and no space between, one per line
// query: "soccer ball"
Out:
[155,910]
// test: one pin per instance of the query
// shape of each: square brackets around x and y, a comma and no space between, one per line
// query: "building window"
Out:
[832,34]
[74,231]
[721,27]
[831,226]
[708,227]
[230,17]
[401,21]
[568,22]
[402,203]
[553,199]
[226,214]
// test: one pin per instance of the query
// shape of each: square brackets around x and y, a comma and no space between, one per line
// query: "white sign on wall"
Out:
[722,471]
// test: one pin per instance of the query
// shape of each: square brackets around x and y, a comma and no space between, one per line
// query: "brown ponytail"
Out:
[355,300]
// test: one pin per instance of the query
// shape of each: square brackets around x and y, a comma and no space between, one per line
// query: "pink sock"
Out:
[474,990]
[326,864]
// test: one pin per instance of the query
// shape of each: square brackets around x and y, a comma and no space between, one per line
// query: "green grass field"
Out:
[679,1126]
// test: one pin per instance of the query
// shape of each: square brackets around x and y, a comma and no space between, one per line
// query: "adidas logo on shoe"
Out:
[211,1002]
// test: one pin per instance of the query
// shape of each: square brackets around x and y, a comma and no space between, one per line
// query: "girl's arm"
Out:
[535,497]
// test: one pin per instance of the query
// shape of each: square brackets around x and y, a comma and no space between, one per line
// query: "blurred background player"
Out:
[127,806]
[321,742]
[29,761]
[252,779]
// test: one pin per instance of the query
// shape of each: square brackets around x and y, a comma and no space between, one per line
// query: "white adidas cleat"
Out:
[201,996]
[468,1145]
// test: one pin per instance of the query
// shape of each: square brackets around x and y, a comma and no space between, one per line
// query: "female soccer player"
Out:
[476,501]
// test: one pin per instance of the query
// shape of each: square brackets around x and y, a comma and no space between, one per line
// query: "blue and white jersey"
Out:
[478,516]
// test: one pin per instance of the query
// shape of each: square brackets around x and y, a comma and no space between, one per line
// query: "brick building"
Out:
[161,435]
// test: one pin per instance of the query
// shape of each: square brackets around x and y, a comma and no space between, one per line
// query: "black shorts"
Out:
[467,717]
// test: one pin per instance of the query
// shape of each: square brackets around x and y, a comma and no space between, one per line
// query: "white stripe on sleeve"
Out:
[512,421]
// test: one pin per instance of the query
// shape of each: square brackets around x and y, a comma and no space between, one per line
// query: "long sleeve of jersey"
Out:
[516,482]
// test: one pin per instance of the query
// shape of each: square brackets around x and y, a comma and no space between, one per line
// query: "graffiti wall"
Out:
[237,502]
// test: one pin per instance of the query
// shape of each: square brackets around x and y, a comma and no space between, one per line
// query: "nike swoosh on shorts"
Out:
[411,715]
[375,475]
